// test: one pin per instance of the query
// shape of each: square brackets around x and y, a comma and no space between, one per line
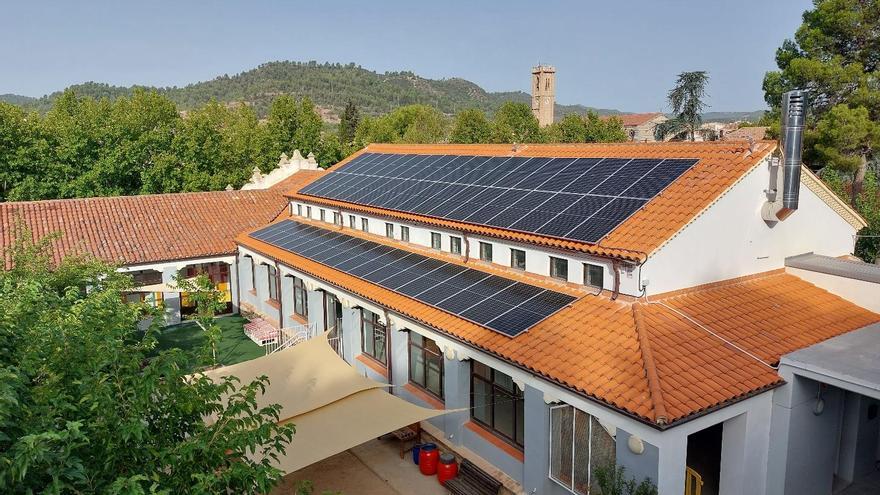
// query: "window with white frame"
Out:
[337,218]
[299,210]
[365,224]
[373,336]
[323,215]
[435,240]
[578,445]
[558,268]
[454,244]
[486,251]
[404,233]
[309,211]
[594,275]
[351,221]
[389,230]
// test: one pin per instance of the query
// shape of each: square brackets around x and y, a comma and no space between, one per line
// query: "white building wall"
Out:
[730,239]
[537,260]
[860,292]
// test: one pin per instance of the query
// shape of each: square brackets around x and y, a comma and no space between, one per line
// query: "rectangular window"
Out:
[486,251]
[578,445]
[373,336]
[309,211]
[455,245]
[273,282]
[559,268]
[300,298]
[425,364]
[299,210]
[323,215]
[404,233]
[518,259]
[435,240]
[365,225]
[497,403]
[351,221]
[253,274]
[337,218]
[594,275]
[389,230]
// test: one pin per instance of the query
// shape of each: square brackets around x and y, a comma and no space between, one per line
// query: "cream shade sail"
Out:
[333,407]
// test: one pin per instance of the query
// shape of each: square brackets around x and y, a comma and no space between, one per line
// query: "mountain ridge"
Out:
[330,86]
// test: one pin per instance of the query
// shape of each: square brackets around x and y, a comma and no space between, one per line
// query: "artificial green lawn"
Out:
[234,346]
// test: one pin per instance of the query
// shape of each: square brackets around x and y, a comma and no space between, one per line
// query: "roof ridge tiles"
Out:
[660,415]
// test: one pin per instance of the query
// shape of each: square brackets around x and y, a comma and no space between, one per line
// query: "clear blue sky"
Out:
[611,54]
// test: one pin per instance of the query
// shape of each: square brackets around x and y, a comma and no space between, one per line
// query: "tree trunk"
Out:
[858,180]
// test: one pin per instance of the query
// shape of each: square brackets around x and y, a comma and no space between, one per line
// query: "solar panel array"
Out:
[491,301]
[581,199]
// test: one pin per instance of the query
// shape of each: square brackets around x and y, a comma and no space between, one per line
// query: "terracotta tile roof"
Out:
[746,133]
[148,228]
[720,166]
[634,119]
[642,359]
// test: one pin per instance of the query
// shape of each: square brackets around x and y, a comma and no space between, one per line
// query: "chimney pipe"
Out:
[794,109]
[794,105]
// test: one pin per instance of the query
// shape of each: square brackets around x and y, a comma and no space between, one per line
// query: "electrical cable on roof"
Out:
[709,331]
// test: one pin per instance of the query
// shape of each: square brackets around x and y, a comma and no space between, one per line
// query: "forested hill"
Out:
[330,86]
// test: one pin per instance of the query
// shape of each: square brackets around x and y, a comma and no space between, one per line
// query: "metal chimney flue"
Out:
[794,109]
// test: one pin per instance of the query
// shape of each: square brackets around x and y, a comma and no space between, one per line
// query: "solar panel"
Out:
[494,302]
[581,199]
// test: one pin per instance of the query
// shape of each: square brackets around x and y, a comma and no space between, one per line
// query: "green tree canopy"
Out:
[348,123]
[686,101]
[515,123]
[408,124]
[590,128]
[835,56]
[84,408]
[471,126]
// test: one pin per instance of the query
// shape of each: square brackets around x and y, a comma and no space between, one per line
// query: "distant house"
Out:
[756,133]
[640,126]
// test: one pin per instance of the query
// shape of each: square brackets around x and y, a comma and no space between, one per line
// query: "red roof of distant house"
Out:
[745,133]
[148,228]
[635,119]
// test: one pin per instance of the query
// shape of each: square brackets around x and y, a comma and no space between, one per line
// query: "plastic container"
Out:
[415,453]
[428,458]
[447,468]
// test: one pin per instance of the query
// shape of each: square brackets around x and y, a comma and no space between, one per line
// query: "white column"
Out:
[673,460]
[233,285]
[172,299]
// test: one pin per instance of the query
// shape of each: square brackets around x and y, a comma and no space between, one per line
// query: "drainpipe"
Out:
[467,246]
[237,285]
[615,267]
[388,355]
[280,304]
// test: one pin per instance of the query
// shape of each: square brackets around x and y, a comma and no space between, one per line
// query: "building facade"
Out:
[665,363]
[687,339]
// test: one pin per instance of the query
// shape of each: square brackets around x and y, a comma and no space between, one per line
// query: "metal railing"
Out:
[693,482]
[291,336]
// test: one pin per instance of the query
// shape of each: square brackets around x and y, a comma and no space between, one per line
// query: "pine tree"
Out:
[349,122]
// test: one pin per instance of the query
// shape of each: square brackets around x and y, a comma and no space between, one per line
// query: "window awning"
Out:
[333,407]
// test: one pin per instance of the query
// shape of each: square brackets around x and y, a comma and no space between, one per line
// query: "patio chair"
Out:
[409,433]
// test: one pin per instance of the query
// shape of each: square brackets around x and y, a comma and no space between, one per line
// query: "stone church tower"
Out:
[544,93]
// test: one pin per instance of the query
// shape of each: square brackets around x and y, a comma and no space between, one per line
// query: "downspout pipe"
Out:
[280,298]
[615,267]
[237,284]
[388,347]
[467,246]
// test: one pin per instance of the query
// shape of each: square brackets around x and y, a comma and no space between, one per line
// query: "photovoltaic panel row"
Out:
[497,303]
[581,199]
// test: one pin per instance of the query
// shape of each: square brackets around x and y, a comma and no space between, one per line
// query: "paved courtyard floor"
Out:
[373,468]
